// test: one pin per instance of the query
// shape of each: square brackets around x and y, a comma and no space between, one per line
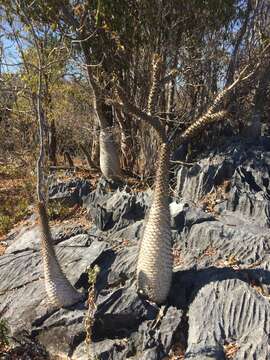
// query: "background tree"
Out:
[202,45]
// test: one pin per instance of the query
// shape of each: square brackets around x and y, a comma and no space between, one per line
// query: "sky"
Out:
[11,56]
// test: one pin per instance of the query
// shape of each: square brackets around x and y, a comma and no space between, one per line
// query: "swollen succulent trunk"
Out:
[155,261]
[59,290]
[109,157]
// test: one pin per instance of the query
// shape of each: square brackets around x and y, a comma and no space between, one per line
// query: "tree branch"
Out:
[126,106]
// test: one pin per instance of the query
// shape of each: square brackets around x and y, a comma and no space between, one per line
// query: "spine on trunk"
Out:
[59,290]
[155,260]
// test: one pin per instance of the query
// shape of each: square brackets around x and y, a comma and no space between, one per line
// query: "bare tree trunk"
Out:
[126,140]
[170,98]
[214,78]
[153,92]
[233,62]
[68,159]
[88,157]
[254,129]
[52,144]
[94,151]
[240,36]
[95,90]
[42,123]
[108,155]
[170,101]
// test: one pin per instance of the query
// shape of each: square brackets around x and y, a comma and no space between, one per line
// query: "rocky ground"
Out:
[219,305]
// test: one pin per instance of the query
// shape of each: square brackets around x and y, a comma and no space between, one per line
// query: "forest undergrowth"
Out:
[17,190]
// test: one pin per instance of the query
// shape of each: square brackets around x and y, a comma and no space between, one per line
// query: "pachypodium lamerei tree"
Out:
[59,290]
[155,258]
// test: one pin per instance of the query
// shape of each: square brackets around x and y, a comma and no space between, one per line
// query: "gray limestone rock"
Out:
[117,209]
[228,312]
[221,283]
[71,192]
[245,168]
[22,293]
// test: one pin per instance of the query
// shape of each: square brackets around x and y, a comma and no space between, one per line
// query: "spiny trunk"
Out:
[155,261]
[59,290]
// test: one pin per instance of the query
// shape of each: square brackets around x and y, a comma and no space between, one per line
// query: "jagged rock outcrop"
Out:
[241,167]
[219,298]
[118,209]
[71,192]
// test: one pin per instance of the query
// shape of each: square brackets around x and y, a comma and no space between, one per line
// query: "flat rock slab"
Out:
[228,312]
[221,243]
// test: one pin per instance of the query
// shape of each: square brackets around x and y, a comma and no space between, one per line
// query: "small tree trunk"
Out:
[240,36]
[95,150]
[68,159]
[88,157]
[126,141]
[233,60]
[52,144]
[254,129]
[109,158]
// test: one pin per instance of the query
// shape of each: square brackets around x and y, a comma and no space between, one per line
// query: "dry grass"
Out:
[259,288]
[230,261]
[2,248]
[65,215]
[218,195]
[176,353]
[177,259]
[230,350]
[208,252]
[24,352]
[120,245]
[89,317]
[18,189]
[16,193]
